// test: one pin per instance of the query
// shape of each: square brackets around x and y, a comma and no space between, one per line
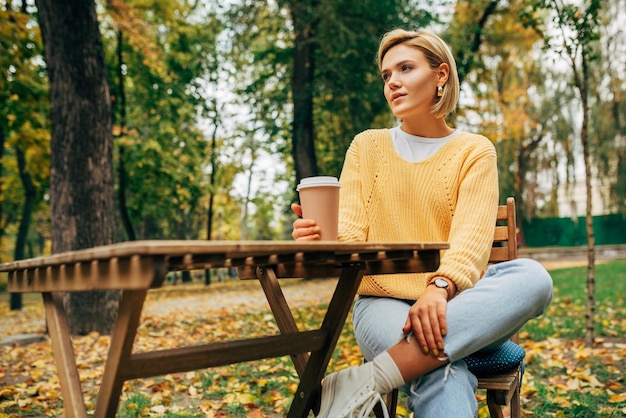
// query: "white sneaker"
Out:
[350,393]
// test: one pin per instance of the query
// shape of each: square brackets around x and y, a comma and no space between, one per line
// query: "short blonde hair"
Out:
[437,52]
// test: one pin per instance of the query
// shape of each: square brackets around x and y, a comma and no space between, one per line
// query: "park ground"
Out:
[191,312]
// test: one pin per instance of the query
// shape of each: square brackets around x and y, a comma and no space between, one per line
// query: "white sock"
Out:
[386,373]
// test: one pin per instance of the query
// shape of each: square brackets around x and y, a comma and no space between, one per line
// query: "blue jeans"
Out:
[483,317]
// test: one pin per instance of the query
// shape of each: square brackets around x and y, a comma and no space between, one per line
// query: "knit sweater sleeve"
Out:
[473,219]
[352,207]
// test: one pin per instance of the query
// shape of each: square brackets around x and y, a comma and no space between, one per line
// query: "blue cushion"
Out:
[505,358]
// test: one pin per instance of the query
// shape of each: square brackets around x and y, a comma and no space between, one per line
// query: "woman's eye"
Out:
[406,68]
[385,77]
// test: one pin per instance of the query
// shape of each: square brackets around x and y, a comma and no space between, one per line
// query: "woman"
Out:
[425,181]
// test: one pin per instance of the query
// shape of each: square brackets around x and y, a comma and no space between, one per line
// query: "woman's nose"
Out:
[393,83]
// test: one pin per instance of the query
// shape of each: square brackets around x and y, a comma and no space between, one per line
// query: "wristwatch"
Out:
[440,283]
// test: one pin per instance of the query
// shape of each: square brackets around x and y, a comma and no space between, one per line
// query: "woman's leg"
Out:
[485,316]
[444,392]
[509,295]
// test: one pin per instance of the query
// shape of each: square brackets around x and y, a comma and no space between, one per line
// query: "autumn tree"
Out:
[578,33]
[81,180]
[24,131]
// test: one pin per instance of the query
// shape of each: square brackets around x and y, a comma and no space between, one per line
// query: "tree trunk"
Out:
[30,193]
[81,174]
[305,27]
[121,170]
[2,223]
[591,244]
[466,54]
[212,181]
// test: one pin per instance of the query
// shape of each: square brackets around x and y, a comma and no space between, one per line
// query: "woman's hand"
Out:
[304,229]
[427,319]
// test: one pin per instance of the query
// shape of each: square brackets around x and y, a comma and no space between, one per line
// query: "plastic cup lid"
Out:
[318,181]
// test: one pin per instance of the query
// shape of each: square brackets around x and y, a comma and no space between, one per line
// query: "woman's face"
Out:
[410,83]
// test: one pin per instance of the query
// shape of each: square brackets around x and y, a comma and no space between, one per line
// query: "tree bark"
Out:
[81,174]
[2,222]
[305,27]
[121,168]
[466,55]
[591,242]
[30,194]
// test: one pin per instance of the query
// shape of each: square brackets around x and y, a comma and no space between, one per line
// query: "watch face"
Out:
[441,283]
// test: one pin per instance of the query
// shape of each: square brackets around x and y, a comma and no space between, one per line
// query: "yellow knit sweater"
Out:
[451,196]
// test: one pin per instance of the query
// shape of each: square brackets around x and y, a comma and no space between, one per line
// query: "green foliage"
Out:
[347,88]
[165,153]
[25,127]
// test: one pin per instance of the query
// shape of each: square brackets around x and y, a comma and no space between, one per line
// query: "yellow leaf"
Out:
[246,398]
[618,398]
[562,402]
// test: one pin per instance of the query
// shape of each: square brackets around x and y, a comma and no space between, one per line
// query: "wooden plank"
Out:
[131,273]
[499,254]
[499,381]
[185,359]
[282,313]
[231,249]
[340,305]
[426,261]
[122,340]
[501,233]
[63,351]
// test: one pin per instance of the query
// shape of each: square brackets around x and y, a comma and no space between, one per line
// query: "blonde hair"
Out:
[437,52]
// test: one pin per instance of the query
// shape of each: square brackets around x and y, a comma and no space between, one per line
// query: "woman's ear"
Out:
[443,72]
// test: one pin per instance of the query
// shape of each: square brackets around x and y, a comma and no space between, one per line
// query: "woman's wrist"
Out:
[444,283]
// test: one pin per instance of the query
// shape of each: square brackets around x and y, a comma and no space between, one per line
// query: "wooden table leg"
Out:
[120,351]
[63,351]
[338,309]
[280,309]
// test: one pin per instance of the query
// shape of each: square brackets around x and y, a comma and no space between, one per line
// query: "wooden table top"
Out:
[144,264]
[225,249]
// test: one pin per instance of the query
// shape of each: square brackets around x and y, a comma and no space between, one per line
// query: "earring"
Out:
[439,91]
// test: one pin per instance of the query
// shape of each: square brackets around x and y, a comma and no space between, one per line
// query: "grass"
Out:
[566,315]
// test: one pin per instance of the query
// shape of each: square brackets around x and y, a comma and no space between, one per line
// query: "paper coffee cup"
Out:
[319,198]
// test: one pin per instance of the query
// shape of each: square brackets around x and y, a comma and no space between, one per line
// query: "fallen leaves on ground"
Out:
[561,374]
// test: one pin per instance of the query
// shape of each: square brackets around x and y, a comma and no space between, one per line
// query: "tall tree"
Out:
[81,180]
[305,20]
[578,29]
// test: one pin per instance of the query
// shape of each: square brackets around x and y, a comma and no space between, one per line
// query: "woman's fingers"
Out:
[305,229]
[297,209]
[427,320]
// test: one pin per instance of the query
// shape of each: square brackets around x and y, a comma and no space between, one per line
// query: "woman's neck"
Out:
[427,127]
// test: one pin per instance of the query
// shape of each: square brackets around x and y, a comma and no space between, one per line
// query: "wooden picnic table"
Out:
[135,267]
